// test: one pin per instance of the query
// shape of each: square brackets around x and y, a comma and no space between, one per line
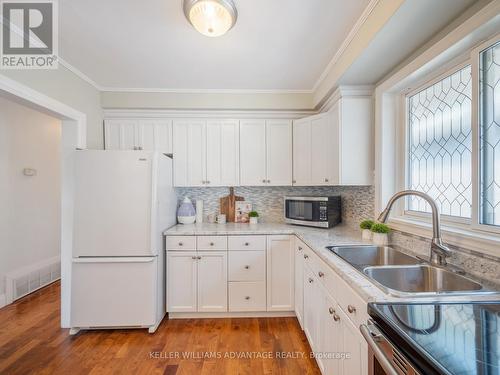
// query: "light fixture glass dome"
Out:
[211,17]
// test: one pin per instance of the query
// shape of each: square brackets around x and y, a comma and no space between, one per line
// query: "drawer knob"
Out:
[180,244]
[246,244]
[311,280]
[247,298]
[351,309]
[321,274]
[264,181]
[306,256]
[331,310]
[300,248]
[247,267]
[268,181]
[336,317]
[193,258]
[211,244]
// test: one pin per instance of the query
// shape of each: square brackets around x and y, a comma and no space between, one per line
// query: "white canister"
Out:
[199,211]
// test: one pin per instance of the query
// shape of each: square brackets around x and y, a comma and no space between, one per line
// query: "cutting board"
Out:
[228,205]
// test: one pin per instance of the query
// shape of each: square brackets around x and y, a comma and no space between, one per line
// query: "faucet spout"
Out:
[439,252]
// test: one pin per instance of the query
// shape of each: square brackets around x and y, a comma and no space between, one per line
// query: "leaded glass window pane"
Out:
[489,117]
[440,145]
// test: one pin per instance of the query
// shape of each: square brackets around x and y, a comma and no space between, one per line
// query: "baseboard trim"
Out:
[3,300]
[245,314]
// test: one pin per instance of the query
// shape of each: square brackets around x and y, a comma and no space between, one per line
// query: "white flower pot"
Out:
[380,239]
[254,220]
[366,234]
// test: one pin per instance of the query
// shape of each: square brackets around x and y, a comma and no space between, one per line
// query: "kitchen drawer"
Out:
[247,266]
[211,243]
[247,296]
[352,304]
[328,277]
[247,243]
[176,243]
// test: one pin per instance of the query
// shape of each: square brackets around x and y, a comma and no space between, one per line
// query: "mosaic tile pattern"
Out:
[357,201]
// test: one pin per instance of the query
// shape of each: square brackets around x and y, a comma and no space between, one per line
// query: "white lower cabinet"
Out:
[181,281]
[212,281]
[355,346]
[245,296]
[280,273]
[299,281]
[311,310]
[196,281]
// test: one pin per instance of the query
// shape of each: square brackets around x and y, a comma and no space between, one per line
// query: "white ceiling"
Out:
[275,44]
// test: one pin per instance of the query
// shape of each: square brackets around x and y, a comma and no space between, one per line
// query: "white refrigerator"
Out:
[123,201]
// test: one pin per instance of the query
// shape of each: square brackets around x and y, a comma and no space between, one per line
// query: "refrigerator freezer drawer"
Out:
[114,292]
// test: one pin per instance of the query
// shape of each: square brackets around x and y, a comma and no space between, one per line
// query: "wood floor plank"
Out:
[31,341]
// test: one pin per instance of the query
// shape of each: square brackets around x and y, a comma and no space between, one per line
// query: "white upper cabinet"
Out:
[335,147]
[189,153]
[265,152]
[223,152]
[253,152]
[279,152]
[206,152]
[141,134]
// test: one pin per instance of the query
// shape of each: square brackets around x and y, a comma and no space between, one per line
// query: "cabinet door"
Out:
[120,135]
[354,344]
[181,281]
[155,135]
[299,280]
[302,152]
[335,148]
[280,273]
[279,152]
[319,150]
[189,153]
[331,333]
[223,141]
[253,153]
[212,281]
[310,319]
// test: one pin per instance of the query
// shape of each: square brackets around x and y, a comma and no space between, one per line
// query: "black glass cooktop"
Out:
[445,338]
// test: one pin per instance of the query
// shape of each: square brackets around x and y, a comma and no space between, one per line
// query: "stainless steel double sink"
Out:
[402,275]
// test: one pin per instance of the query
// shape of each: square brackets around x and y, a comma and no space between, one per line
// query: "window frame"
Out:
[453,222]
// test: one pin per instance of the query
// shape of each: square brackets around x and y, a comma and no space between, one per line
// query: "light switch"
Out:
[30,172]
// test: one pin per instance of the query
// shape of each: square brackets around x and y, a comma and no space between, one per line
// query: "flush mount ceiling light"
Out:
[211,17]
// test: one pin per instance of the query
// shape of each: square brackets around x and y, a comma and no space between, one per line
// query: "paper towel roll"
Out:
[199,211]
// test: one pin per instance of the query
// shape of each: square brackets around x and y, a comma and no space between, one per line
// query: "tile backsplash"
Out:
[357,201]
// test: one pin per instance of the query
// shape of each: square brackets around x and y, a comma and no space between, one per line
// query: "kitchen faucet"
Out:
[439,252]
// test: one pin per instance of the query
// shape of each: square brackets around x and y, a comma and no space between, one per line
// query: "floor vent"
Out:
[28,279]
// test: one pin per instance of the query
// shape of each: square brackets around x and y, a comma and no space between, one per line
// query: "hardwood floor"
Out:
[31,341]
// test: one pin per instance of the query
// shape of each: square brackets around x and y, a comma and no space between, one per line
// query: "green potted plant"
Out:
[254,217]
[366,226]
[380,234]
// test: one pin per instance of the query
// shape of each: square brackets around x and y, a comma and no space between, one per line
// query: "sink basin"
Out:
[421,279]
[366,255]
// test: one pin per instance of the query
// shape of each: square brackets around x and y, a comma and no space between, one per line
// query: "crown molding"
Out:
[112,113]
[352,91]
[203,91]
[354,30]
[79,74]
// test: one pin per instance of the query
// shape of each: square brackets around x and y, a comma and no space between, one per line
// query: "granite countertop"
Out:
[317,239]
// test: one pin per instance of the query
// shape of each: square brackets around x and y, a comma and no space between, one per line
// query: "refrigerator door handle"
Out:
[113,260]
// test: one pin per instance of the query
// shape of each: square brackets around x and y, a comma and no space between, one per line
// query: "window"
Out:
[489,122]
[440,145]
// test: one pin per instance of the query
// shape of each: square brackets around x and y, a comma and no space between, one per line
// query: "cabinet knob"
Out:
[246,244]
[336,317]
[247,298]
[300,248]
[181,244]
[331,310]
[247,267]
[351,309]
[294,182]
[326,179]
[306,256]
[211,244]
[311,280]
[198,258]
[268,181]
[264,181]
[203,182]
[321,274]
[207,182]
[193,257]
[139,148]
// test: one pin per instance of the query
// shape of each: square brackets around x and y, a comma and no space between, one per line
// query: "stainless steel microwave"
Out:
[321,212]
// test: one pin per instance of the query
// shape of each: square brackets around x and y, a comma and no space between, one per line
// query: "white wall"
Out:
[68,88]
[29,206]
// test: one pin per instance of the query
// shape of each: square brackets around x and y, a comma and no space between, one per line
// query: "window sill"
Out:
[467,238]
